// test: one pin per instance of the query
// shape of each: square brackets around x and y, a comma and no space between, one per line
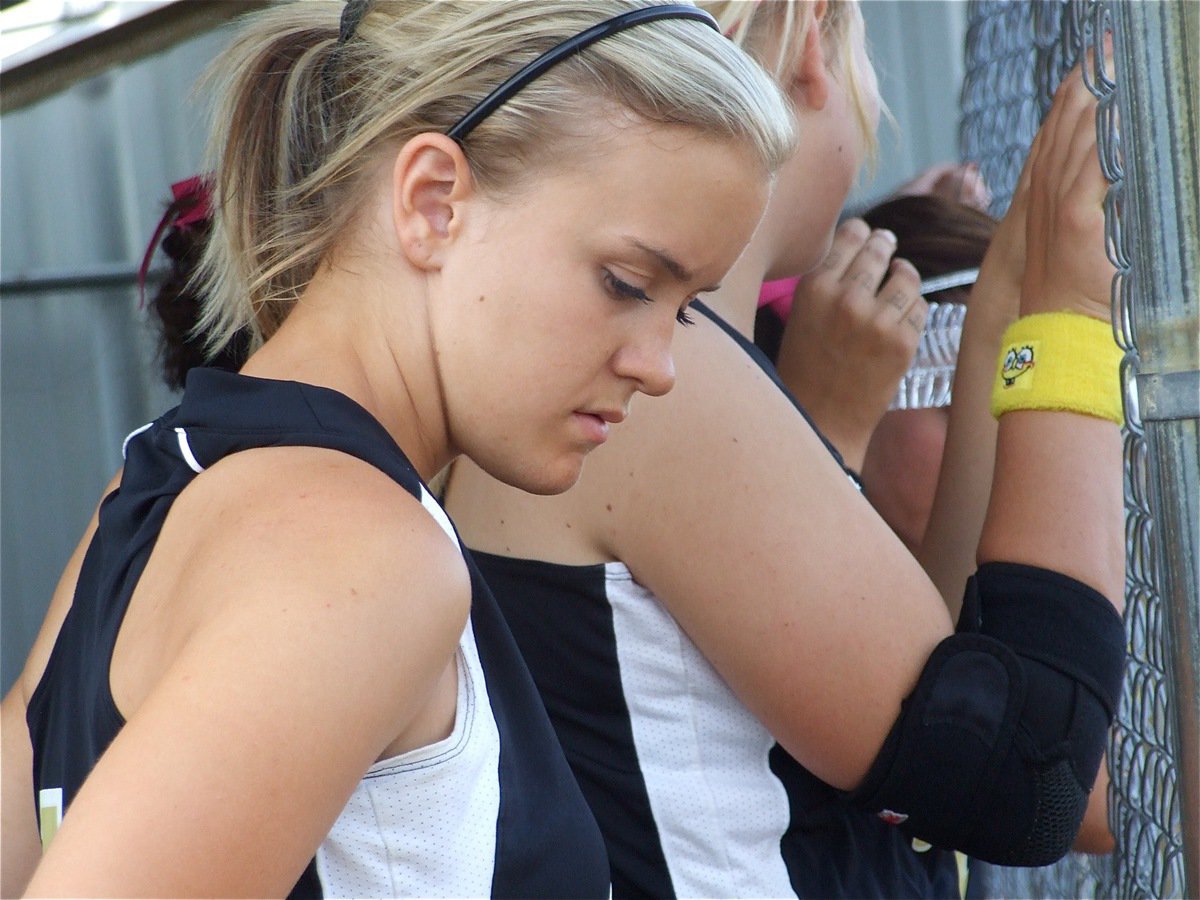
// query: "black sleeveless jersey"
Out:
[491,810]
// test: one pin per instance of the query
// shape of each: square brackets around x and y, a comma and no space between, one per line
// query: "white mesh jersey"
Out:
[429,813]
[704,757]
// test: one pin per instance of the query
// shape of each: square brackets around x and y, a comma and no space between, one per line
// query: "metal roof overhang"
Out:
[65,51]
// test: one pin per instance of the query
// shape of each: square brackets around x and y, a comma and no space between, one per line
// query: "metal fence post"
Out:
[1157,60]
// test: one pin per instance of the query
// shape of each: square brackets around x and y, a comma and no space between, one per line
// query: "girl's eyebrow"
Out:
[676,269]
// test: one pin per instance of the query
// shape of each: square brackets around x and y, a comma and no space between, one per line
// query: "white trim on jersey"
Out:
[129,437]
[720,810]
[185,449]
[439,515]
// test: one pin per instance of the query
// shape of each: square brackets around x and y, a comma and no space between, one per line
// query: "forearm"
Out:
[965,481]
[21,846]
[1094,834]
[1056,500]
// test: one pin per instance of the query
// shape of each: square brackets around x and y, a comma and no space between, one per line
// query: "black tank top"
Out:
[544,840]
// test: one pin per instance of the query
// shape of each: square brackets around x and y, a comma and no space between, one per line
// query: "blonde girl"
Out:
[270,668]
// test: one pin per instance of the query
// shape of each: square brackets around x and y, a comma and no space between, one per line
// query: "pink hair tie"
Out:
[190,206]
[194,194]
[778,295]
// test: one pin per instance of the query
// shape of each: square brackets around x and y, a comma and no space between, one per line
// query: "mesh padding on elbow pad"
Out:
[1062,801]
[995,751]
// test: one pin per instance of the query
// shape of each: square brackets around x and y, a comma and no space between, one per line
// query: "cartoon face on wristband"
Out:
[1017,362]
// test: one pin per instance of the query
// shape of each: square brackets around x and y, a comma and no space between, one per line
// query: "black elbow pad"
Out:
[997,748]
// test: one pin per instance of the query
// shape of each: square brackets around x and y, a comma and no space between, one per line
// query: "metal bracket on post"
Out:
[1167,396]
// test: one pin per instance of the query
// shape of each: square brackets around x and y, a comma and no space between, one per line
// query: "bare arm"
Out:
[965,483]
[1094,834]
[21,845]
[1067,269]
[313,659]
[965,480]
[798,595]
[1056,499]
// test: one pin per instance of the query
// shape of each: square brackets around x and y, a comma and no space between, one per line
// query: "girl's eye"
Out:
[627,291]
[624,289]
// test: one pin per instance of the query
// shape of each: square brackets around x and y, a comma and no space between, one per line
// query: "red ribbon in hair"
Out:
[190,206]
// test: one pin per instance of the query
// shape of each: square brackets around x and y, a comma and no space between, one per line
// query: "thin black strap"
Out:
[768,367]
[570,46]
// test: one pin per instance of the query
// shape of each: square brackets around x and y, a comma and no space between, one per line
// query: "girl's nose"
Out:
[648,361]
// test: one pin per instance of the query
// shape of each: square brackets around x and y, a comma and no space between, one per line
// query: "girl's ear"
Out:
[812,75]
[431,180]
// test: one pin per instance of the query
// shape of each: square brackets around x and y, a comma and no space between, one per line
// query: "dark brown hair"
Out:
[935,234]
[176,306]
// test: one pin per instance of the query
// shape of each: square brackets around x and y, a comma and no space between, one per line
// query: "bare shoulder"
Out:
[726,428]
[327,527]
[724,502]
[723,413]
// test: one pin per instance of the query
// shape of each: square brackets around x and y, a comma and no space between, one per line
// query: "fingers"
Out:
[929,180]
[1060,117]
[870,263]
[1103,68]
[974,190]
[901,295]
[964,184]
[1083,160]
[1022,189]
[853,331]
[1068,166]
[1066,264]
[1073,103]
[863,302]
[886,290]
[847,241]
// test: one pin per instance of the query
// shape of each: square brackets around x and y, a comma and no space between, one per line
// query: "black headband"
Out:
[570,46]
[352,14]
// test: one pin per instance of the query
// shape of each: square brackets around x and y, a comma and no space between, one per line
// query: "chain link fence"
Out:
[1016,54]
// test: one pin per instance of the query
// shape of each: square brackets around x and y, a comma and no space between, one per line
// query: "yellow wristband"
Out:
[1059,361]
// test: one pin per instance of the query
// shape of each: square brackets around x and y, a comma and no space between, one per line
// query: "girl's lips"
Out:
[593,425]
[611,415]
